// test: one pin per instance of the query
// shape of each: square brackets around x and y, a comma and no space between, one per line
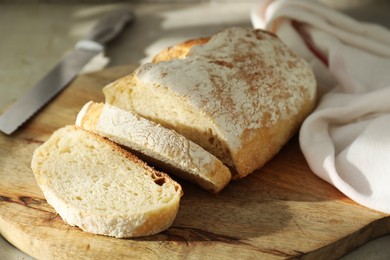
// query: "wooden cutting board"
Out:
[281,211]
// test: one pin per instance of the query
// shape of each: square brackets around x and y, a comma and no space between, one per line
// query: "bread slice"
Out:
[96,185]
[240,95]
[166,148]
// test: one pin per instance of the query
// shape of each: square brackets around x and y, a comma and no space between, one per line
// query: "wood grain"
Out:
[281,211]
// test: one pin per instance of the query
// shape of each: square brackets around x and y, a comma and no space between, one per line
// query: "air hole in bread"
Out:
[158,178]
[211,140]
[159,181]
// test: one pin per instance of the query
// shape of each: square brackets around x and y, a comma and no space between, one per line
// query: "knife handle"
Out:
[109,26]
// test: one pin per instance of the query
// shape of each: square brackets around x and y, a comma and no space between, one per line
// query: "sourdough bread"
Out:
[240,95]
[169,150]
[94,184]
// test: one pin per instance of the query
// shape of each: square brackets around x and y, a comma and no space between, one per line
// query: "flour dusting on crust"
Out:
[149,136]
[242,78]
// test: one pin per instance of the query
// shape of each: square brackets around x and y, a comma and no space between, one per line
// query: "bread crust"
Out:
[178,51]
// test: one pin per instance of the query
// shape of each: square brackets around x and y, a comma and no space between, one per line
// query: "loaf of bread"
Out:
[103,189]
[241,95]
[169,150]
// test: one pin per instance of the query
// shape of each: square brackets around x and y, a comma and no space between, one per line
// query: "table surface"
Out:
[37,37]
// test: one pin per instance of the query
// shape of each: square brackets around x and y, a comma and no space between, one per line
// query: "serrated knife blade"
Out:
[65,71]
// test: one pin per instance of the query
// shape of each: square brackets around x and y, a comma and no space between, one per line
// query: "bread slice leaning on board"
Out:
[241,94]
[168,150]
[96,185]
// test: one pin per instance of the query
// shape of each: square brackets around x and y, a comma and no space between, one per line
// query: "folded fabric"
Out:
[346,140]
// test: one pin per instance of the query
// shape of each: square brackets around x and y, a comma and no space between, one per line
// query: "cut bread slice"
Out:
[241,95]
[96,185]
[164,147]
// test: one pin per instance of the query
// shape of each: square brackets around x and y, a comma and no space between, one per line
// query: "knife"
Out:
[65,71]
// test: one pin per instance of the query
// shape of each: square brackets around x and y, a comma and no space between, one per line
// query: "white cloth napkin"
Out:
[346,140]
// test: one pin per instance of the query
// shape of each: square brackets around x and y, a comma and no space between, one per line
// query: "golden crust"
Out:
[178,51]
[255,152]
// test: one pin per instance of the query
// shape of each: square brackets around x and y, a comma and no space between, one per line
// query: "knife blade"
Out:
[65,71]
